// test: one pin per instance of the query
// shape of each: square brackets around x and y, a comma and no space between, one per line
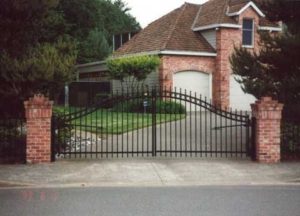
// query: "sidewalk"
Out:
[149,172]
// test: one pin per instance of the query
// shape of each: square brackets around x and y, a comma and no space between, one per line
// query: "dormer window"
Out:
[248,33]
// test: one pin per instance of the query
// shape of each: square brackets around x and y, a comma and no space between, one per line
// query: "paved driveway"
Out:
[199,134]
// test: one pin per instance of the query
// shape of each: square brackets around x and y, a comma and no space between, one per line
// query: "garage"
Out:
[193,81]
[238,98]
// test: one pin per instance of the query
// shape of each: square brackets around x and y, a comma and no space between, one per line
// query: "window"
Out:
[248,35]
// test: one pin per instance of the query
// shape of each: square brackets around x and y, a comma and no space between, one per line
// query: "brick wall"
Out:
[226,40]
[38,112]
[267,132]
[251,14]
[172,64]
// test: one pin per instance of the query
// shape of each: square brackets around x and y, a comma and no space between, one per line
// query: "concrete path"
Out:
[151,172]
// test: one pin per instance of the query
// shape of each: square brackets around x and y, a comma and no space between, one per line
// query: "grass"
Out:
[108,122]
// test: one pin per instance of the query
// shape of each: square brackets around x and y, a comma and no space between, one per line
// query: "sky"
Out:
[146,11]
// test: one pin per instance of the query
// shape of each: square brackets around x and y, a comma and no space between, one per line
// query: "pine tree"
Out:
[36,55]
[275,69]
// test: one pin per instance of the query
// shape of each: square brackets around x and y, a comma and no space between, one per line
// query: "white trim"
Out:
[224,25]
[248,46]
[250,4]
[268,28]
[188,53]
[170,52]
[155,52]
[91,64]
[253,35]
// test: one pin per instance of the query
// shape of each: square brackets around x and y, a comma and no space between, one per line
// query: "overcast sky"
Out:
[146,11]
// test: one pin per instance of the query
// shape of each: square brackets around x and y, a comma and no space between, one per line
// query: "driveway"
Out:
[200,134]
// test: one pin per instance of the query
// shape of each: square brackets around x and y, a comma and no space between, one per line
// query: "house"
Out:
[194,43]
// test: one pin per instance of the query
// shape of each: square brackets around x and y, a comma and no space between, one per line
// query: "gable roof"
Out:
[240,7]
[220,13]
[177,32]
[213,12]
[170,32]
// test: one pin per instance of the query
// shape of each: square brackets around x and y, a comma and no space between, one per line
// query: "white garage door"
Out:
[238,99]
[193,81]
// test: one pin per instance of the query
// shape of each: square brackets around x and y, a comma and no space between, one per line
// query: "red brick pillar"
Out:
[267,131]
[38,112]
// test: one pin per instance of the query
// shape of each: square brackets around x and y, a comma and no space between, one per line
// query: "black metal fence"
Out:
[150,123]
[12,140]
[290,137]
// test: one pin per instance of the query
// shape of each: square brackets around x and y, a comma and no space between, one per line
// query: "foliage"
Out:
[89,19]
[45,68]
[162,106]
[135,68]
[290,137]
[36,54]
[23,24]
[63,129]
[42,40]
[13,140]
[94,48]
[275,70]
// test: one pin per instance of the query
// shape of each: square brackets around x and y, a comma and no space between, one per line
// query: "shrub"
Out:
[63,129]
[134,68]
[162,106]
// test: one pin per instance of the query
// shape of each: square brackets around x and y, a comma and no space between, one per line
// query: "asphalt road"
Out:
[173,201]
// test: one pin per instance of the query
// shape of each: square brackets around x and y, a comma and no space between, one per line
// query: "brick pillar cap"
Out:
[38,100]
[267,108]
[267,103]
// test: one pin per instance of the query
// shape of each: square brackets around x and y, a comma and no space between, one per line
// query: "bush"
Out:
[162,106]
[63,129]
[135,68]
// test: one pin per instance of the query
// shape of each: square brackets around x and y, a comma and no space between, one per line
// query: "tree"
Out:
[42,40]
[94,48]
[89,19]
[36,55]
[134,70]
[275,69]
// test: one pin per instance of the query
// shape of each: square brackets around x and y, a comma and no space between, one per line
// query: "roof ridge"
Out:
[220,15]
[174,25]
[197,16]
[167,14]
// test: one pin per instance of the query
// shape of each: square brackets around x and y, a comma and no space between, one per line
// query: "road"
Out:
[160,201]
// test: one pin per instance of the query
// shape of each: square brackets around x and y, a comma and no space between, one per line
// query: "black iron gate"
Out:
[144,123]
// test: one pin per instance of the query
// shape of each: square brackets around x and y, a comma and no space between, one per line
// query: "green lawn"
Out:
[108,122]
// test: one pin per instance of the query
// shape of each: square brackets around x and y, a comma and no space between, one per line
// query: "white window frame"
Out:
[252,43]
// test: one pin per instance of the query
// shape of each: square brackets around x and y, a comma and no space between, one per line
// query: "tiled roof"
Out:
[170,32]
[213,12]
[174,31]
[236,5]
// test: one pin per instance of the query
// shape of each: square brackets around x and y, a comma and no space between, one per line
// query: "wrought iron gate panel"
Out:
[145,123]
